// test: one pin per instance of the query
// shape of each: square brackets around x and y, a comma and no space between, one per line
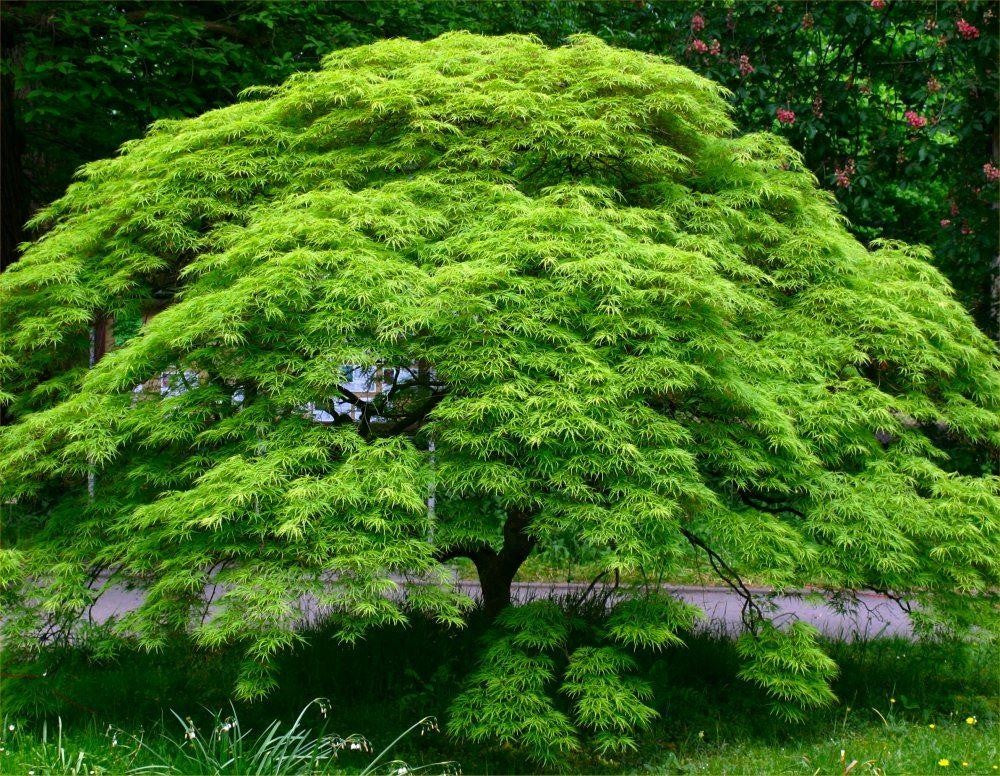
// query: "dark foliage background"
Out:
[894,104]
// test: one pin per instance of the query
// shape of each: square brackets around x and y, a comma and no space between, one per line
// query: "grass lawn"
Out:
[902,708]
[860,746]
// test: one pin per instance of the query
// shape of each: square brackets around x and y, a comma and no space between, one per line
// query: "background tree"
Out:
[893,104]
[620,323]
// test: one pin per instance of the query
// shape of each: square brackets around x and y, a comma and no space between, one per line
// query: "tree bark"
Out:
[495,582]
[497,569]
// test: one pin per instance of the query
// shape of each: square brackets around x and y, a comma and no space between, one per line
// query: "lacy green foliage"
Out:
[616,320]
[86,76]
[849,72]
[790,665]
[605,700]
[512,698]
[508,698]
[651,621]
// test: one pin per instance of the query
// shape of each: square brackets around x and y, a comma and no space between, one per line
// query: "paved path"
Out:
[874,616]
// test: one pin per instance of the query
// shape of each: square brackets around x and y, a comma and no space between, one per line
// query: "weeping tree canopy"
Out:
[466,298]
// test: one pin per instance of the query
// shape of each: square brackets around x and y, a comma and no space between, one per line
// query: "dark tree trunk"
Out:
[495,580]
[496,570]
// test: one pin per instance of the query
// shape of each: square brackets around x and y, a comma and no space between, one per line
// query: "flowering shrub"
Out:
[786,116]
[843,174]
[966,30]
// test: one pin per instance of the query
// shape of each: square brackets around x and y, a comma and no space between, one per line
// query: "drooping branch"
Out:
[594,582]
[751,614]
[897,599]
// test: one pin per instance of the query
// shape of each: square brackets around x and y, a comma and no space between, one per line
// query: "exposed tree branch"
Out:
[901,602]
[752,614]
[415,416]
[757,501]
[454,551]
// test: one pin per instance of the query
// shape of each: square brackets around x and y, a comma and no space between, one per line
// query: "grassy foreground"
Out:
[862,746]
[914,708]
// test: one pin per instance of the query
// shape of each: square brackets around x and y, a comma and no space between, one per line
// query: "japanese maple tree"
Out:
[590,310]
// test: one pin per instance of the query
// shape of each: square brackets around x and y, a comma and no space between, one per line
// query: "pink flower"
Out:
[933,84]
[699,45]
[915,120]
[992,172]
[807,21]
[878,5]
[697,22]
[945,223]
[966,30]
[786,116]
[843,174]
[817,106]
[745,67]
[715,49]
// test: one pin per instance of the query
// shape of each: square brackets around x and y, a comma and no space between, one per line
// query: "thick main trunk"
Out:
[496,569]
[495,580]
